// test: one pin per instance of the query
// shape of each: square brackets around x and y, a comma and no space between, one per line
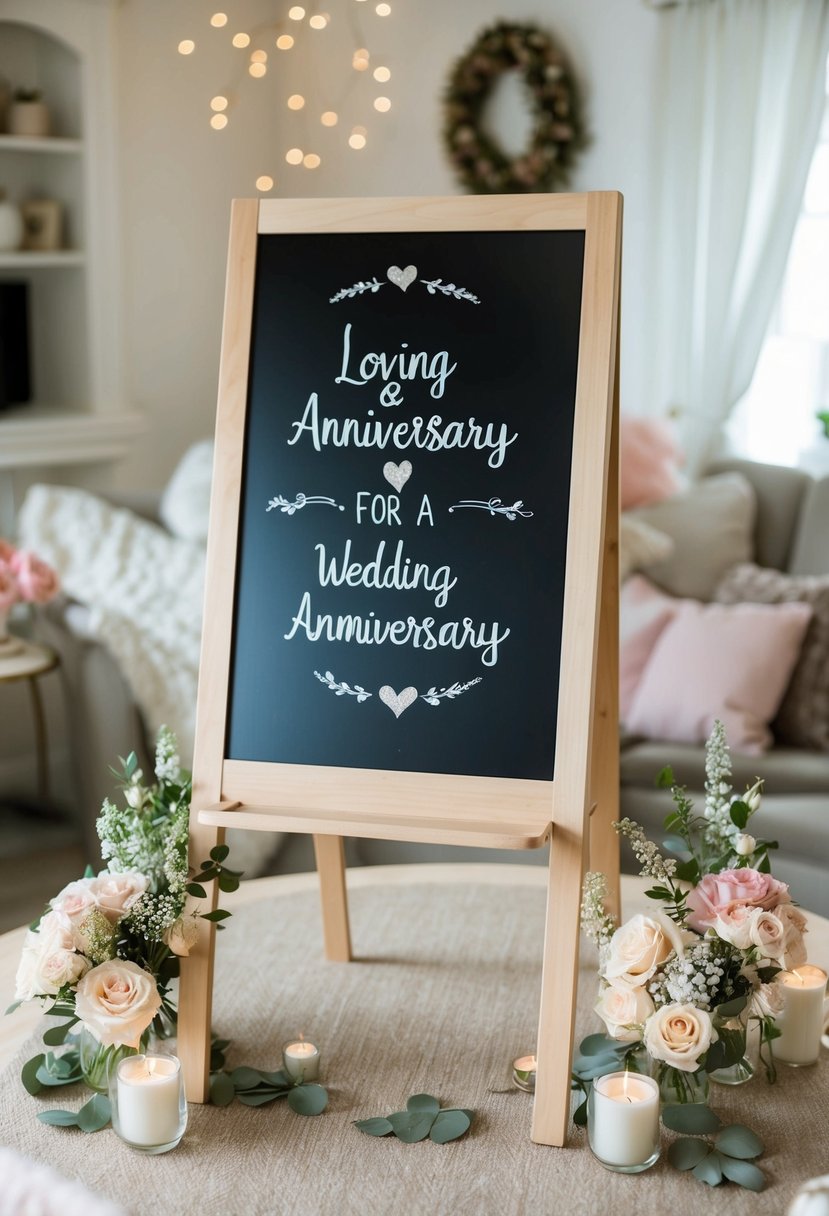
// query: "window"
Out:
[775,420]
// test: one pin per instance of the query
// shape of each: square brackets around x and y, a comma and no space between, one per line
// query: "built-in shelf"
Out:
[39,436]
[30,259]
[47,143]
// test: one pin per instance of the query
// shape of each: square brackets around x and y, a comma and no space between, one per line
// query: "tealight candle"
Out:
[149,1111]
[623,1121]
[523,1073]
[801,1022]
[301,1060]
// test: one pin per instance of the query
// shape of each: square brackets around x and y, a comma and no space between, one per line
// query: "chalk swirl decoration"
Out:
[558,131]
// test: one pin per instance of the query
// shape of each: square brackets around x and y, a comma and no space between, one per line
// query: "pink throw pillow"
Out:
[644,611]
[649,461]
[731,662]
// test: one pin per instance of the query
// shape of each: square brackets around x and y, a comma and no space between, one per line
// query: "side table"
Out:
[27,661]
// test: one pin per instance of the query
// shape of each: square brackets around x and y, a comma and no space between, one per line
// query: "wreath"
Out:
[558,131]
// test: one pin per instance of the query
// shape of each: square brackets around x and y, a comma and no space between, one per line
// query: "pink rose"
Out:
[718,893]
[9,591]
[117,1001]
[38,582]
[115,894]
[7,551]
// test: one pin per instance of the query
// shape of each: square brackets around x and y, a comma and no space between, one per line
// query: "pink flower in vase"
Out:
[9,591]
[38,582]
[720,894]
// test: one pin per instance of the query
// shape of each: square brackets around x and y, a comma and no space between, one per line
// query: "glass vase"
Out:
[98,1060]
[677,1087]
[742,1069]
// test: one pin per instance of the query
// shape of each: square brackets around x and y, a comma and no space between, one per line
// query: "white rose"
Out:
[744,844]
[733,925]
[766,1001]
[679,1035]
[75,900]
[768,933]
[116,893]
[60,967]
[794,923]
[135,796]
[623,1010]
[641,945]
[182,935]
[117,1001]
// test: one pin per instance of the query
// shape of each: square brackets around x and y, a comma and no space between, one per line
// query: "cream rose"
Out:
[117,1001]
[734,925]
[641,945]
[181,936]
[766,1001]
[768,934]
[115,894]
[623,1010]
[75,900]
[679,1035]
[60,967]
[794,948]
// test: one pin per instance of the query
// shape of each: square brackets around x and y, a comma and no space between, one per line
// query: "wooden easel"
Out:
[576,810]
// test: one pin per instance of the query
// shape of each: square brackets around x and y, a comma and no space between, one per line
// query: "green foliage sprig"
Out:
[729,1156]
[257,1087]
[596,1055]
[422,1118]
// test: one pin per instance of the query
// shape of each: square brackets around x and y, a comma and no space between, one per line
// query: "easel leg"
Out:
[196,983]
[556,1020]
[330,855]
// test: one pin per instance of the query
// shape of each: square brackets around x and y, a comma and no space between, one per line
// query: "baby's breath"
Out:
[653,864]
[596,922]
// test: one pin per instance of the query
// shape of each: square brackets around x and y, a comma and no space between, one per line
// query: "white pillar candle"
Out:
[149,1089]
[801,1022]
[301,1060]
[623,1124]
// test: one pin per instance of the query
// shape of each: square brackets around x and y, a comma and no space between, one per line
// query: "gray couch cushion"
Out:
[786,770]
[811,549]
[779,492]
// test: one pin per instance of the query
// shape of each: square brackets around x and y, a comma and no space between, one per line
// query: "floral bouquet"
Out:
[105,952]
[24,578]
[681,984]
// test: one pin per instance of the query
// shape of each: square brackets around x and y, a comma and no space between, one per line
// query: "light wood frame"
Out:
[331,803]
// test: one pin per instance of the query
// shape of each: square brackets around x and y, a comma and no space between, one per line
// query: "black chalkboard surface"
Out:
[403,522]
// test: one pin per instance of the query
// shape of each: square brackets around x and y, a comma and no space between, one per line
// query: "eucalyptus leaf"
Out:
[219,852]
[56,1035]
[94,1114]
[744,1173]
[14,1005]
[411,1126]
[690,1117]
[449,1125]
[246,1078]
[29,1077]
[710,1169]
[222,1089]
[374,1127]
[308,1099]
[588,1069]
[596,1044]
[254,1097]
[676,845]
[59,1118]
[280,1079]
[580,1114]
[49,1078]
[685,1154]
[739,1141]
[424,1103]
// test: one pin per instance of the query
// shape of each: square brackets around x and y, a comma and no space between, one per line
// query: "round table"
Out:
[21,660]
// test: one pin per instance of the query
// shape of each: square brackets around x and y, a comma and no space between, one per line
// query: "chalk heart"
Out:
[402,278]
[397,474]
[397,701]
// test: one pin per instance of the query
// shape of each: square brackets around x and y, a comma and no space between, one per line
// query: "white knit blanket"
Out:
[143,589]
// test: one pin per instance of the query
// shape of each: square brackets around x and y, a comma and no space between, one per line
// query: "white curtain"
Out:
[739,99]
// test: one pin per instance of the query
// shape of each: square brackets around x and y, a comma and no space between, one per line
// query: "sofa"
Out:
[740,513]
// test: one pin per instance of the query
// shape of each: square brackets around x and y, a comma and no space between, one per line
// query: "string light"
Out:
[329,119]
[186,46]
[356,140]
[264,182]
[311,161]
[284,42]
[218,103]
[218,20]
[296,101]
[258,69]
[218,122]
[294,156]
[241,40]
[382,104]
[360,60]
[383,10]
[259,56]
[318,22]
[296,13]
[382,75]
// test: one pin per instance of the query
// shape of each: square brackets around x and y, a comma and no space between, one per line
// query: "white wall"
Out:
[177,175]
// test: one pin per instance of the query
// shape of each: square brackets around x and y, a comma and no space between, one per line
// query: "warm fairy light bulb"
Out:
[296,13]
[284,42]
[382,104]
[259,56]
[241,40]
[382,75]
[258,69]
[318,21]
[264,182]
[294,156]
[186,46]
[311,161]
[218,122]
[383,10]
[356,140]
[218,103]
[359,60]
[296,101]
[329,119]
[218,20]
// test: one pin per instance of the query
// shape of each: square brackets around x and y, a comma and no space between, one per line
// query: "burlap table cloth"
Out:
[443,996]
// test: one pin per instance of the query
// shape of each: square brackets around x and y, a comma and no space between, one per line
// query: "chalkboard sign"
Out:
[403,529]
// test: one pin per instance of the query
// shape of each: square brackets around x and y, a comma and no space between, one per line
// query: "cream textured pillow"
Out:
[803,718]
[712,527]
[640,545]
[185,504]
[731,662]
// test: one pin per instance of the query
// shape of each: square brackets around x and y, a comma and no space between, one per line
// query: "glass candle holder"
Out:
[523,1073]
[623,1121]
[149,1109]
[301,1060]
